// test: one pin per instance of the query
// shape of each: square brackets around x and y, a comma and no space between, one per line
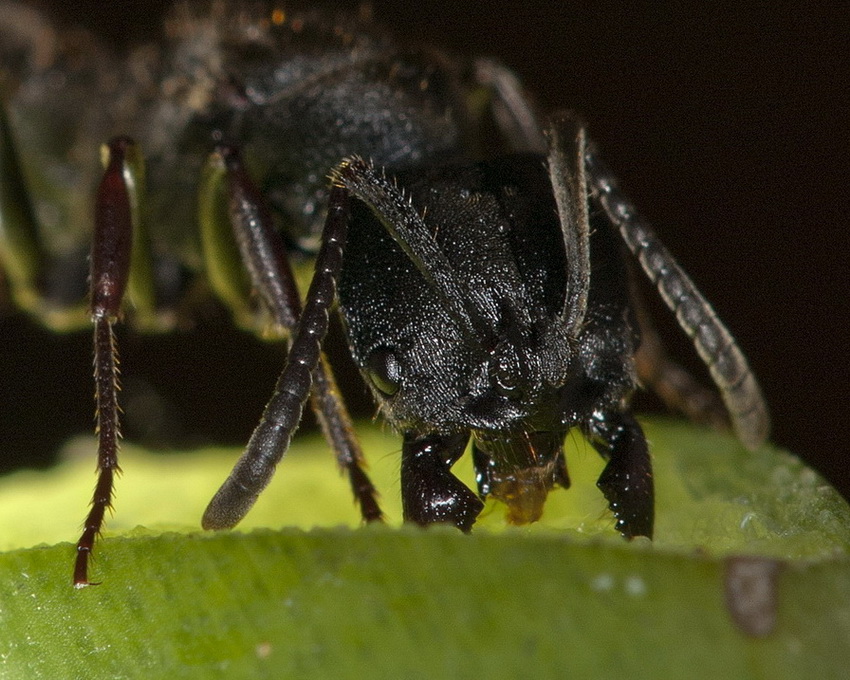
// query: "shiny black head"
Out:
[453,291]
[455,296]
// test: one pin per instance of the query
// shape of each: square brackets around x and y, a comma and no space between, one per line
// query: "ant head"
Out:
[453,293]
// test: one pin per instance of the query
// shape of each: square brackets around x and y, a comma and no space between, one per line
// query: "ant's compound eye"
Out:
[384,371]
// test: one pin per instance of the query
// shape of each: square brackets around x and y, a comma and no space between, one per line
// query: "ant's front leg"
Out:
[430,493]
[626,480]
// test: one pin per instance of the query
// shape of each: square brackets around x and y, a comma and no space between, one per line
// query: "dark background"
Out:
[728,127]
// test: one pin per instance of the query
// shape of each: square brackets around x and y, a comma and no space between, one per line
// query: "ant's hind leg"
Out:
[115,250]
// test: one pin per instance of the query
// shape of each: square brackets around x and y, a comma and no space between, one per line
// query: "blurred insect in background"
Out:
[484,259]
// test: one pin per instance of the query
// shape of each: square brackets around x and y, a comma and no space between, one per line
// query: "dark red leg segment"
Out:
[110,268]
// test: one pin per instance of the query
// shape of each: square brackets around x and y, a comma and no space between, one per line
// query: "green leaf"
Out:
[564,598]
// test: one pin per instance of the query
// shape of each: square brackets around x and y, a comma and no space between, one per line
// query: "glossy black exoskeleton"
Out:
[483,260]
